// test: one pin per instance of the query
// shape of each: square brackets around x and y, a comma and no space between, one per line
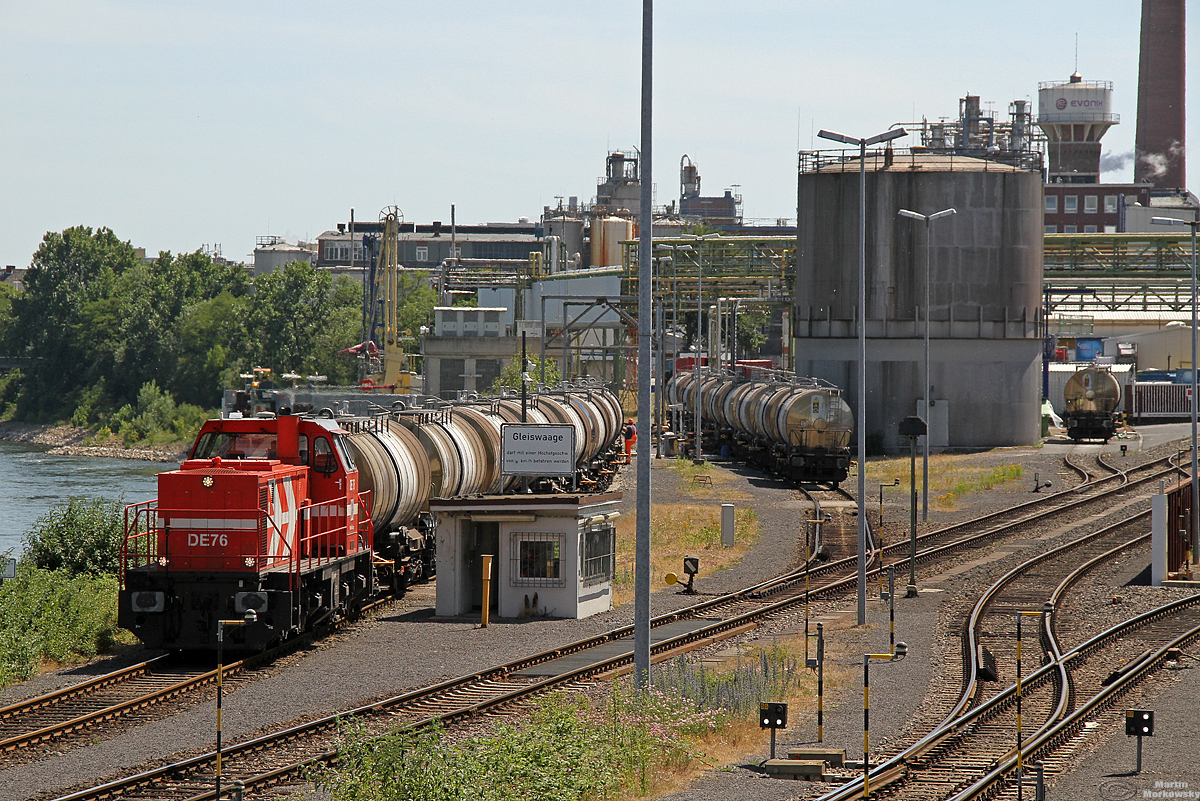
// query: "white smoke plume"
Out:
[1158,162]
[1112,162]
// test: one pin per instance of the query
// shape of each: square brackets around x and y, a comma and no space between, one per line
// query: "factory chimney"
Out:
[1159,140]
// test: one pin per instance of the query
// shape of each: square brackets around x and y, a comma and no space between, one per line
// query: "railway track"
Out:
[741,610]
[977,732]
[281,757]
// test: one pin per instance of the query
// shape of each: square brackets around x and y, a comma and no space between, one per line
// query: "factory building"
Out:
[985,279]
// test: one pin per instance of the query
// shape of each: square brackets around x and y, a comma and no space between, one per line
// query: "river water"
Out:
[31,482]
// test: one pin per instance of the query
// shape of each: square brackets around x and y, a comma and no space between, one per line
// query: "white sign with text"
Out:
[532,449]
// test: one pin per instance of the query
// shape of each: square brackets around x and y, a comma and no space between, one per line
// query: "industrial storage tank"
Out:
[607,235]
[1075,114]
[569,230]
[985,281]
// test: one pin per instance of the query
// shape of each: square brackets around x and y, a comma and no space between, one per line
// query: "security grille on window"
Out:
[597,552]
[537,560]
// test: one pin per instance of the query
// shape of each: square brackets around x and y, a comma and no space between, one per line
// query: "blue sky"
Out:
[184,124]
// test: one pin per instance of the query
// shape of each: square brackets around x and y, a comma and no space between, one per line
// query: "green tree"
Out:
[211,336]
[510,374]
[66,317]
[288,309]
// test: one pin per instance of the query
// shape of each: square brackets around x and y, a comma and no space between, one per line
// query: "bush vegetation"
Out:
[62,606]
[628,744]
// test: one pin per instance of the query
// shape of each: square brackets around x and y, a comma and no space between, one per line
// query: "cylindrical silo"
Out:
[569,230]
[985,280]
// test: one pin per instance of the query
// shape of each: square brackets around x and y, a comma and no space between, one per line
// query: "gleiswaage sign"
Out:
[532,449]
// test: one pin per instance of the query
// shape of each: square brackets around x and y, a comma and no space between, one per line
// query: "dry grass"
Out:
[731,744]
[689,528]
[950,476]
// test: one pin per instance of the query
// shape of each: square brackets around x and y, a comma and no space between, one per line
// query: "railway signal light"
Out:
[772,715]
[1139,723]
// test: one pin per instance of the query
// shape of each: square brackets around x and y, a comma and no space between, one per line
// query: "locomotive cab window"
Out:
[339,442]
[229,445]
[324,460]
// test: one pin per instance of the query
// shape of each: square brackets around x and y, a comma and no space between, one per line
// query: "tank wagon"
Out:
[798,428]
[1092,396]
[304,517]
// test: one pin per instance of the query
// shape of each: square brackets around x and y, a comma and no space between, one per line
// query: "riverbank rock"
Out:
[67,441]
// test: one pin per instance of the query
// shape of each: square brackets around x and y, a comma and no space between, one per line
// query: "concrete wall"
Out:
[993,386]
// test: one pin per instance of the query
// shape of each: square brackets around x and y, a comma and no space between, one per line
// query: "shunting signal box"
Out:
[1139,723]
[772,716]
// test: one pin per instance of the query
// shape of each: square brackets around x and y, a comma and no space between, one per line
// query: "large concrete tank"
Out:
[985,293]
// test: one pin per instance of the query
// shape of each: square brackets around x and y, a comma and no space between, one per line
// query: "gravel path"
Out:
[404,647]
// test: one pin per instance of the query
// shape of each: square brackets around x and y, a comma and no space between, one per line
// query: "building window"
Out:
[597,555]
[1110,204]
[1051,204]
[536,560]
[1051,229]
[1070,204]
[1110,229]
[423,253]
[1090,204]
[1089,229]
[1070,229]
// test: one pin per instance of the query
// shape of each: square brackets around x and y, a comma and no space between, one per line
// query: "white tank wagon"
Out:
[799,428]
[406,457]
[1092,397]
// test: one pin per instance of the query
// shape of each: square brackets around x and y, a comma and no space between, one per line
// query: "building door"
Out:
[483,538]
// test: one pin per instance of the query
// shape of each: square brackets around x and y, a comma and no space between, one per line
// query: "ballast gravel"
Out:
[405,646]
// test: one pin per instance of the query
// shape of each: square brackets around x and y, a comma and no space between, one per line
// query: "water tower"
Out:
[1075,114]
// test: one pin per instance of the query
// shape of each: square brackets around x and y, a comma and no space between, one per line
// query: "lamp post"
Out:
[1194,522]
[1047,608]
[862,347]
[699,455]
[899,653]
[675,299]
[926,390]
[250,618]
[912,427]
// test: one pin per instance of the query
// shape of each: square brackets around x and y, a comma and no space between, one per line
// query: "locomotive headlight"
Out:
[249,560]
[148,601]
[162,561]
[207,481]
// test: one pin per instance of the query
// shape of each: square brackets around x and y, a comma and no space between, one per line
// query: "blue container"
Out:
[1087,349]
